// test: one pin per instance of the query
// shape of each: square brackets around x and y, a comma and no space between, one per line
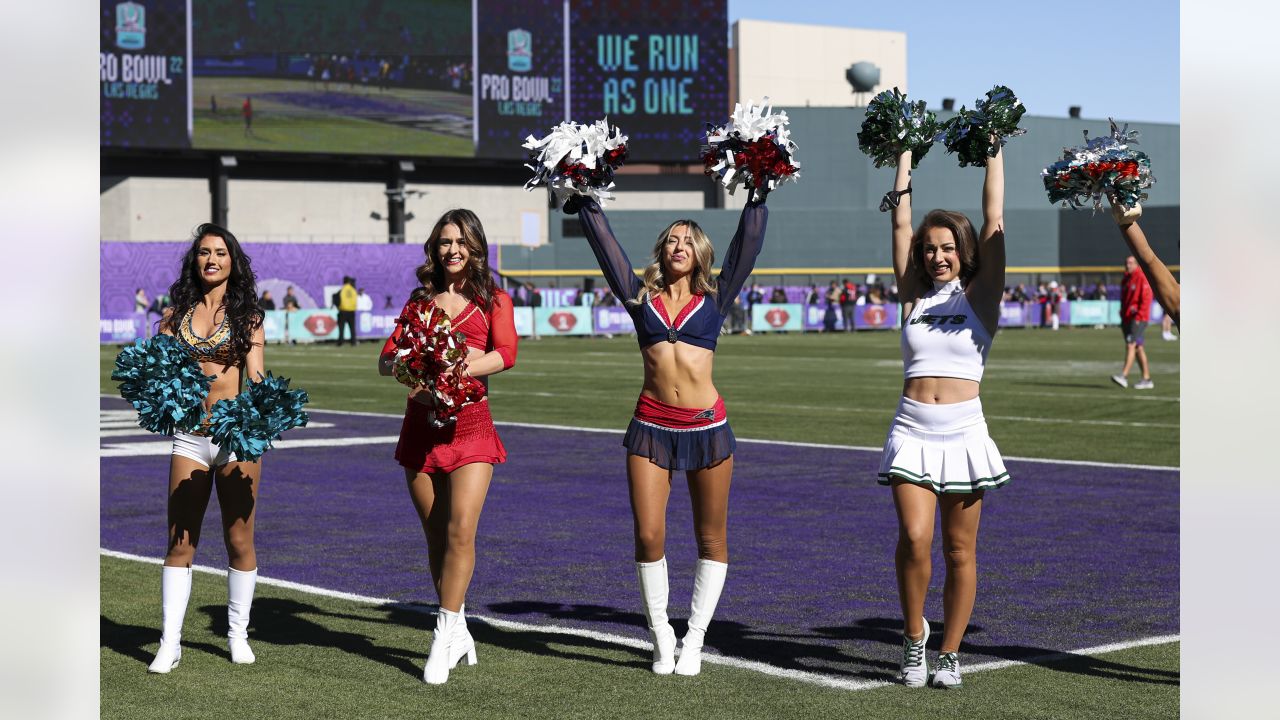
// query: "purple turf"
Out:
[1069,556]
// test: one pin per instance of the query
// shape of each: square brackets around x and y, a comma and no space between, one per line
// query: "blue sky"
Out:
[1119,61]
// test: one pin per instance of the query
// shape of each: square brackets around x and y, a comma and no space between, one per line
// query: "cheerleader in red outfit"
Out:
[680,421]
[448,469]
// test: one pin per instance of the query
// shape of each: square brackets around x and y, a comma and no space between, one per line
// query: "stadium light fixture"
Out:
[374,215]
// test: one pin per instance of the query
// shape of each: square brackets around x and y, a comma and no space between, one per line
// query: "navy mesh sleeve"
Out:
[609,254]
[741,258]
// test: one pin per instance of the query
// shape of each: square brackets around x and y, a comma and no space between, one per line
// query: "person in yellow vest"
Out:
[347,300]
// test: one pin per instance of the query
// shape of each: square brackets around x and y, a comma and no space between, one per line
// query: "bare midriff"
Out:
[679,374]
[225,387]
[939,390]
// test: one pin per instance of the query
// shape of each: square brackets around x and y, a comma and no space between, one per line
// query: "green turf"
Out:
[1045,394]
[324,658]
[282,127]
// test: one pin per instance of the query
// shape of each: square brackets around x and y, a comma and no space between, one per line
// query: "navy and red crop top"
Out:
[700,320]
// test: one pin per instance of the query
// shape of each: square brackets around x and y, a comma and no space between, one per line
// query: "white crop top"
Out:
[943,337]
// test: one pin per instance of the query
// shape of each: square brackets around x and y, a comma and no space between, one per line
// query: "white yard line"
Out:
[571,428]
[813,678]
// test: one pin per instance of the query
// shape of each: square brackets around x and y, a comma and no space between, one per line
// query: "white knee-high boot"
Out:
[175,591]
[443,656]
[707,584]
[653,589]
[240,585]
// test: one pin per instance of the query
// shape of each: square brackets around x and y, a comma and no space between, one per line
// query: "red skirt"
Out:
[469,439]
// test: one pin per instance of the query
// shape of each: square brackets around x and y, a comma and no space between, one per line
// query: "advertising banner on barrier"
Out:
[768,317]
[571,320]
[304,326]
[1014,314]
[815,317]
[610,320]
[122,329]
[877,317]
[524,321]
[1088,312]
[379,325]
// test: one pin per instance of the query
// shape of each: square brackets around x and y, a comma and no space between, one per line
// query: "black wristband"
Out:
[892,198]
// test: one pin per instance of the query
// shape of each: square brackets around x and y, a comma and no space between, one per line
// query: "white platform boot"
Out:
[653,590]
[175,591]
[240,586]
[707,584]
[448,646]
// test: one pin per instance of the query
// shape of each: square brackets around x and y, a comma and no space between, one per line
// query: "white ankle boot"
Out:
[653,589]
[448,645]
[463,644]
[707,584]
[240,585]
[175,591]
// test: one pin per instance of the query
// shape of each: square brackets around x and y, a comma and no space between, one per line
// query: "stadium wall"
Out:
[830,218]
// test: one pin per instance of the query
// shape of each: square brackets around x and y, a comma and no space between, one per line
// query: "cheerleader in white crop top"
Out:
[938,452]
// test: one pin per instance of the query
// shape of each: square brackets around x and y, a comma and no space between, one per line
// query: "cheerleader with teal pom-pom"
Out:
[216,322]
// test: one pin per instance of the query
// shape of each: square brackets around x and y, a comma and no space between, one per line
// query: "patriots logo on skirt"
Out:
[708,414]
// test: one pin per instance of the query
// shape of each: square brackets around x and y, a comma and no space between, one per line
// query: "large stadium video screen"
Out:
[408,78]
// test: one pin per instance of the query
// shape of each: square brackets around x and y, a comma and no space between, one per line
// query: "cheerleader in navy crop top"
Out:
[680,421]
[938,452]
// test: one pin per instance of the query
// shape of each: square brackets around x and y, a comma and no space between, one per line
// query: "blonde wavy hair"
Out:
[654,278]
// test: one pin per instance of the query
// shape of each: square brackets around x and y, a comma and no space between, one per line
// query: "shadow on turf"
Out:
[132,640]
[788,651]
[813,651]
[889,630]
[281,622]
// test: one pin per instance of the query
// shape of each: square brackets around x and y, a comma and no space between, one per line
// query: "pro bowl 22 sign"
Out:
[519,78]
[144,71]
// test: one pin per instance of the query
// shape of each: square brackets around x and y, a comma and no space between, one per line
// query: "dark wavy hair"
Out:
[241,298]
[479,287]
[966,243]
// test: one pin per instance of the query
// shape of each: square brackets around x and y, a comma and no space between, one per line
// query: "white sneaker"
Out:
[1120,380]
[915,669]
[948,674]
[1169,336]
[1144,384]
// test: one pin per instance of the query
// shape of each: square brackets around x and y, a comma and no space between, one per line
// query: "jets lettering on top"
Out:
[940,319]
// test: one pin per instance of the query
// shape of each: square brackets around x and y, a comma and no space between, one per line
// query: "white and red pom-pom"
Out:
[754,149]
[427,352]
[577,159]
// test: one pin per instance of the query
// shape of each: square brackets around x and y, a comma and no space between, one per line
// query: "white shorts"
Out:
[943,447]
[202,449]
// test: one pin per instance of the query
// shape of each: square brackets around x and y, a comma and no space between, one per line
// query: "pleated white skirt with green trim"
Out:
[943,447]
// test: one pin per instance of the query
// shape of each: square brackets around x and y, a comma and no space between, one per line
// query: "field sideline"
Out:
[1077,616]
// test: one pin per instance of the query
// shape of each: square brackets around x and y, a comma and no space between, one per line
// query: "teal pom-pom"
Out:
[163,383]
[969,134]
[893,125]
[249,423]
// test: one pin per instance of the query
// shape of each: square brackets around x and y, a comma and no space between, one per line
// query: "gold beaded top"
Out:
[215,348]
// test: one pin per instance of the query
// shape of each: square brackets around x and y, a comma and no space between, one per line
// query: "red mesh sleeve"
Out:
[502,329]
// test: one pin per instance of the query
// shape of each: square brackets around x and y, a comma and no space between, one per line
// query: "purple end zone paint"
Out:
[1069,556]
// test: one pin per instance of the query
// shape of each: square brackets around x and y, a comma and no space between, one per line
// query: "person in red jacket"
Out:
[1135,313]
